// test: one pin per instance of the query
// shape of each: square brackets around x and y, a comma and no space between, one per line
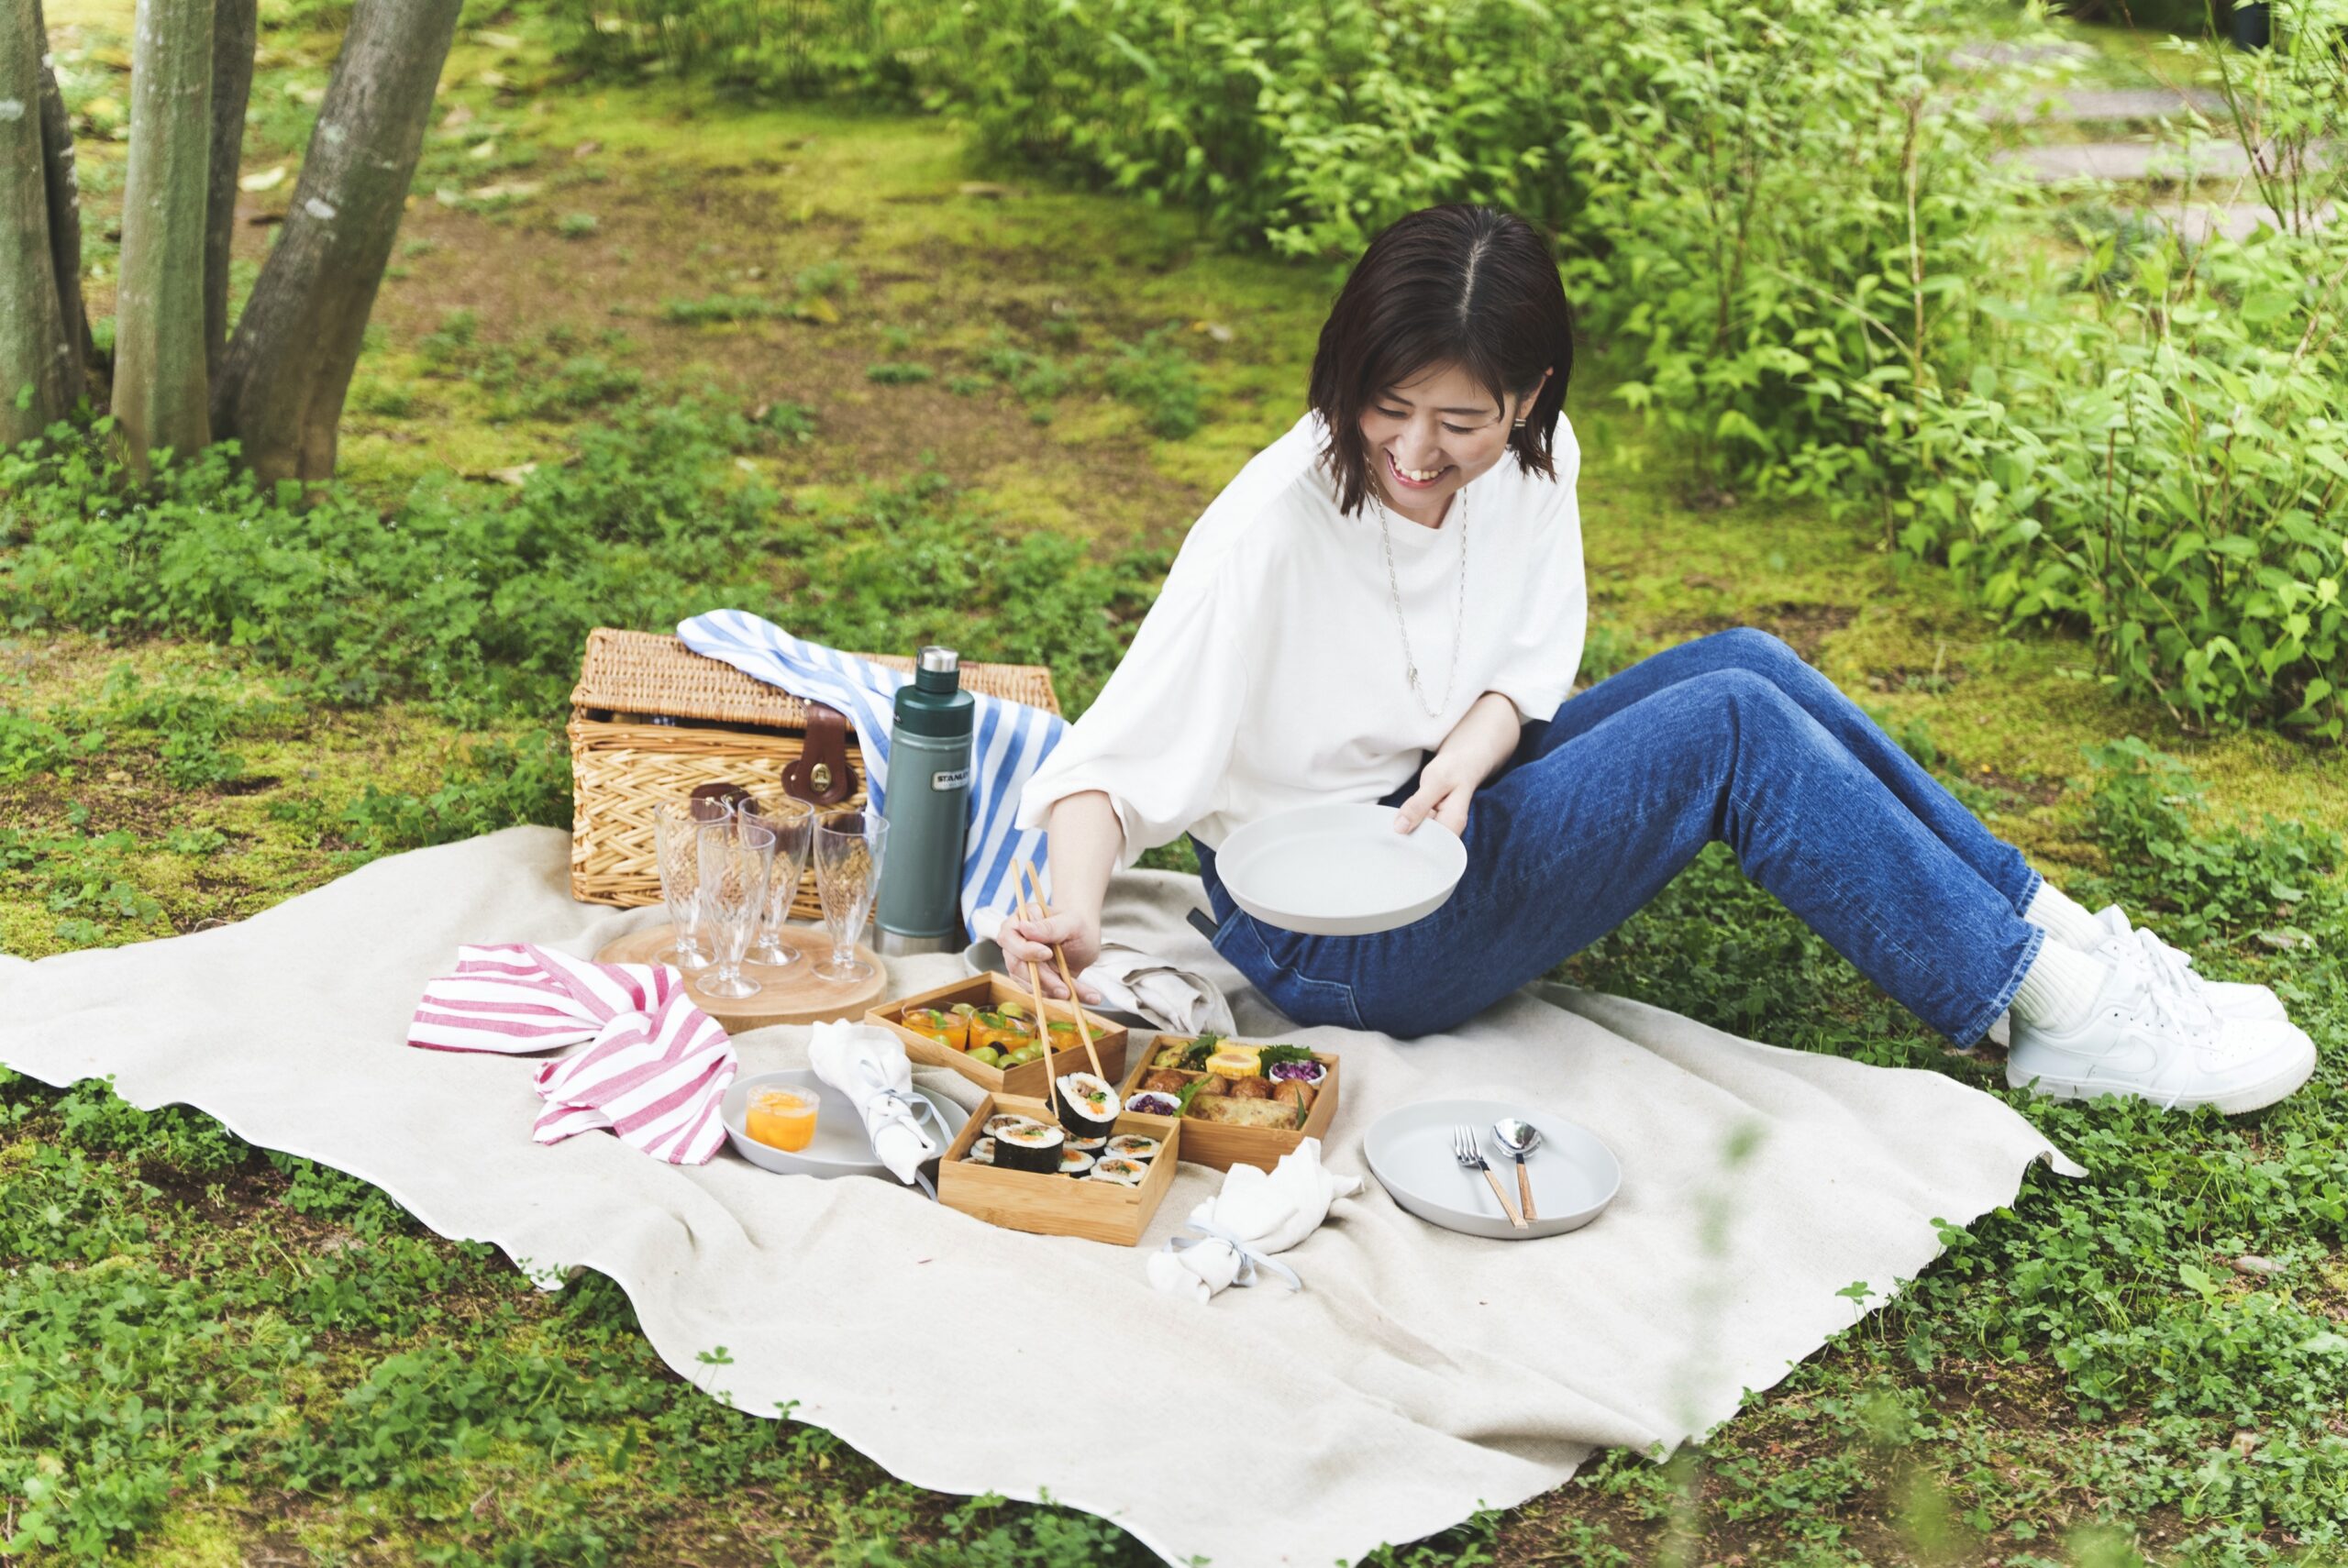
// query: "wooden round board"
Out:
[795,995]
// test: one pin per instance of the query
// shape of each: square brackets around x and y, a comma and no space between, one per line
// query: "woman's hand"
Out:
[1025,942]
[1484,738]
[1445,785]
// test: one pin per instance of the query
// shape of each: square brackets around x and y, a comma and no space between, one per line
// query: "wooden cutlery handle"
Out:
[1524,1192]
[1501,1192]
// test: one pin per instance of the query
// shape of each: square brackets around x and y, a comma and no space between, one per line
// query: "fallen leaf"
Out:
[457,117]
[301,94]
[1214,329]
[504,190]
[2250,1262]
[746,466]
[987,188]
[499,40]
[515,476]
[2244,1443]
[492,79]
[817,309]
[267,180]
[449,196]
[587,150]
[486,149]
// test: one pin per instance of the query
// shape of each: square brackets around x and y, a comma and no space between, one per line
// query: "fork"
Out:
[1467,1150]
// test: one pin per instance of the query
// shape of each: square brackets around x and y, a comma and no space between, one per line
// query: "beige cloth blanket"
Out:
[1418,1377]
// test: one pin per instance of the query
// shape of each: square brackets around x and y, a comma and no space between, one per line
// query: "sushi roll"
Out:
[1118,1168]
[1032,1146]
[1133,1146]
[1004,1118]
[1088,1105]
[1090,1145]
[1148,1102]
[982,1153]
[1075,1161]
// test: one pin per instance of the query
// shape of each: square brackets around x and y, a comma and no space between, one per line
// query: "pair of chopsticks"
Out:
[1042,910]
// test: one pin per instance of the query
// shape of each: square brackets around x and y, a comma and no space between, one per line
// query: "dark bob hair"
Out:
[1462,284]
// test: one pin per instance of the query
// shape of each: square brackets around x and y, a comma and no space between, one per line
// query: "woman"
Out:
[1387,605]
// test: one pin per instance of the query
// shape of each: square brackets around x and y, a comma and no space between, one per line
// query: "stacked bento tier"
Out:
[1237,1102]
[1075,1166]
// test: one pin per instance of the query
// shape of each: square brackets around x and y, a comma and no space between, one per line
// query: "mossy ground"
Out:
[778,256]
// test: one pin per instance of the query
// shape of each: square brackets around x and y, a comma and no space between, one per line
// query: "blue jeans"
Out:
[1730,737]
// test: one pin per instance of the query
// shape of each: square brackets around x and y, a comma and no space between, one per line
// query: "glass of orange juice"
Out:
[781,1119]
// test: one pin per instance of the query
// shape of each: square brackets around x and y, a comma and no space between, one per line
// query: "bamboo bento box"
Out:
[1026,1080]
[651,719]
[1050,1204]
[1221,1146]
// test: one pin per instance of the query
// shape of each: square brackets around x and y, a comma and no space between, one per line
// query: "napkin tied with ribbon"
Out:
[656,1066]
[1257,1213]
[871,1068]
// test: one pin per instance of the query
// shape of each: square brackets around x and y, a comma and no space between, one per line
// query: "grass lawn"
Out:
[962,403]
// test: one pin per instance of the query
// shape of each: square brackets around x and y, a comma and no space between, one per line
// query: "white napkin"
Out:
[869,1066]
[1255,1214]
[1179,1000]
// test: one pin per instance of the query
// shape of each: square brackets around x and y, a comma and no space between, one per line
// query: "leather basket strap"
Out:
[820,774]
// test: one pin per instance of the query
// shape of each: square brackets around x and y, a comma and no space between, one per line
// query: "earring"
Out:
[1520,425]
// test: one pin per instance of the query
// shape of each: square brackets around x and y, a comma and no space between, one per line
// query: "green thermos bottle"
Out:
[928,808]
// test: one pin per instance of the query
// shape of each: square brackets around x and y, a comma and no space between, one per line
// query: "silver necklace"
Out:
[1394,588]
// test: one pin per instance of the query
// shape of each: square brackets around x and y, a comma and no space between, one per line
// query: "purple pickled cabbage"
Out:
[1307,1072]
[1147,1104]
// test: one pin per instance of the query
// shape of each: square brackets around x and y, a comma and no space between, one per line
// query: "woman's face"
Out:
[1431,435]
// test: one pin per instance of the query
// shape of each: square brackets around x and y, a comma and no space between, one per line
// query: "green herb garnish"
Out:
[1182,1100]
[1194,1056]
[1275,1055]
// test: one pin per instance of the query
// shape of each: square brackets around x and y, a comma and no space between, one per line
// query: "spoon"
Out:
[1519,1138]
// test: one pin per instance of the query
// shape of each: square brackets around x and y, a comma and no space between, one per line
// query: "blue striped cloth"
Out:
[1010,742]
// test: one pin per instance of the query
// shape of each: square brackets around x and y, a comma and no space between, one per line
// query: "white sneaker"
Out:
[2174,968]
[2145,1040]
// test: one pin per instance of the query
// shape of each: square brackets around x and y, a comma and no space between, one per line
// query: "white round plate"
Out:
[1339,870]
[840,1147]
[1574,1175]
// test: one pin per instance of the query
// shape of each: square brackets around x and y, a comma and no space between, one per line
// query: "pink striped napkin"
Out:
[653,1073]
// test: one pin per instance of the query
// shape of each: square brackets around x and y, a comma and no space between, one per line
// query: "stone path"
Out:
[2142,168]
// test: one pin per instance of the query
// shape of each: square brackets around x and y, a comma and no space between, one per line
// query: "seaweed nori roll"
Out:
[1075,1161]
[1031,1146]
[1089,1106]
[1133,1146]
[1004,1118]
[1090,1145]
[1119,1169]
[982,1153]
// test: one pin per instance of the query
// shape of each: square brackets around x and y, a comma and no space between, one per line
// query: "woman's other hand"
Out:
[1445,785]
[1484,738]
[1025,942]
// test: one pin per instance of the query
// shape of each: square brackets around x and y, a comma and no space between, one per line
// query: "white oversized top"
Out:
[1269,673]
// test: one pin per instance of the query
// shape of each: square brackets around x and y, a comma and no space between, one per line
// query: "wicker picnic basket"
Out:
[651,719]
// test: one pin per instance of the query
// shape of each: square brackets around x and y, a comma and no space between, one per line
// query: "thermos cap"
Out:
[933,702]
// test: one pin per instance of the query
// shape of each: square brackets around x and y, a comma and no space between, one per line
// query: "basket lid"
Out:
[646,672]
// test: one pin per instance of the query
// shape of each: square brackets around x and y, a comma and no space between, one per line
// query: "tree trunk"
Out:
[35,352]
[233,31]
[64,218]
[288,368]
[159,370]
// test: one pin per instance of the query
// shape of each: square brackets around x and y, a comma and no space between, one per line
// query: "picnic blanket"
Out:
[1418,1377]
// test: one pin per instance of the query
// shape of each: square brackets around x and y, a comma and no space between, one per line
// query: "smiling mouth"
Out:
[1404,480]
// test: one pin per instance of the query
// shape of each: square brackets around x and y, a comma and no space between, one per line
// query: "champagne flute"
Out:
[793,823]
[737,857]
[850,844]
[675,828]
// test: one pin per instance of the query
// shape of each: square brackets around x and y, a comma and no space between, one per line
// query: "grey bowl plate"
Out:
[985,957]
[1574,1175]
[1340,870]
[840,1147]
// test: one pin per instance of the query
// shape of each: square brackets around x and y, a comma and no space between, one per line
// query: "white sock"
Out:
[2064,917]
[2058,991]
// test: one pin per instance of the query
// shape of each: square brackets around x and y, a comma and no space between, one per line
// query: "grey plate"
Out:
[840,1147]
[1339,870]
[1574,1175]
